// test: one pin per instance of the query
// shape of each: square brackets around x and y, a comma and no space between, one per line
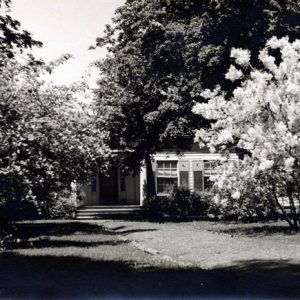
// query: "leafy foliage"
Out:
[253,205]
[61,206]
[11,35]
[181,203]
[48,138]
[262,118]
[162,53]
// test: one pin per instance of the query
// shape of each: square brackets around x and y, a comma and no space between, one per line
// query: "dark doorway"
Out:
[109,187]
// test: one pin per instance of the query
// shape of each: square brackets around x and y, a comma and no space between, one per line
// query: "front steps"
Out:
[108,212]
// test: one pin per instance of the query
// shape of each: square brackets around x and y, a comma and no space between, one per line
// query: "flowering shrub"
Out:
[59,206]
[49,139]
[181,203]
[252,204]
[261,118]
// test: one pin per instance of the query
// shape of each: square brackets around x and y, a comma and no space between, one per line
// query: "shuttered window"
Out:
[167,176]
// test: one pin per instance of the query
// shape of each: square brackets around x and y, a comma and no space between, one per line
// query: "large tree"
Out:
[48,137]
[162,53]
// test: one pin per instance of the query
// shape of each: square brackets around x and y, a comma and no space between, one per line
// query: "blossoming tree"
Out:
[48,138]
[261,117]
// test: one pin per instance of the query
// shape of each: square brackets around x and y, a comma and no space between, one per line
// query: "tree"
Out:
[162,53]
[48,138]
[262,117]
[11,35]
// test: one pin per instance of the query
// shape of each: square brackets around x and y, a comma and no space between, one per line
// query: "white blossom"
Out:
[266,164]
[293,89]
[236,195]
[289,163]
[233,74]
[241,56]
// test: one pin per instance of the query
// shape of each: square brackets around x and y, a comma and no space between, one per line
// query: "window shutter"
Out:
[184,178]
[184,167]
[198,167]
[198,181]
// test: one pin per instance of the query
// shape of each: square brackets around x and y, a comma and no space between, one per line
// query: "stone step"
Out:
[93,212]
[121,207]
[111,206]
[120,210]
[86,217]
[88,213]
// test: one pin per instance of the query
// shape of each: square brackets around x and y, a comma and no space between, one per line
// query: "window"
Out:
[167,176]
[209,170]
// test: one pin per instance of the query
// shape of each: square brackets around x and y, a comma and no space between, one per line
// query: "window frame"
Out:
[173,174]
[208,172]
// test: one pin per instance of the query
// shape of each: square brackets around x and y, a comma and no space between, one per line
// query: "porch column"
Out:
[143,182]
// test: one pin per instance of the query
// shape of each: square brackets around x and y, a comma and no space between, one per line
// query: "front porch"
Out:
[114,190]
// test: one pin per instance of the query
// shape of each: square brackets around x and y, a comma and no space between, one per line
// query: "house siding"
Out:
[190,170]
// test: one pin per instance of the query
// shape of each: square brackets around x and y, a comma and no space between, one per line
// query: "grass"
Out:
[208,245]
[254,230]
[69,259]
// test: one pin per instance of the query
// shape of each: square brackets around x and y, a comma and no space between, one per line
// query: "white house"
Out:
[192,169]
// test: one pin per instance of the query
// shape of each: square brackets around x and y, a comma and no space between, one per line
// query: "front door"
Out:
[109,194]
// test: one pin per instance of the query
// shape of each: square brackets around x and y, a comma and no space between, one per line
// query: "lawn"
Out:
[121,259]
[213,244]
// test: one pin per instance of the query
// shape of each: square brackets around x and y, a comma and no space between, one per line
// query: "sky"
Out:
[66,26]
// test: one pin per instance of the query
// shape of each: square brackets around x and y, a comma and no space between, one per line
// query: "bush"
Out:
[60,206]
[16,210]
[7,233]
[180,204]
[251,206]
[156,207]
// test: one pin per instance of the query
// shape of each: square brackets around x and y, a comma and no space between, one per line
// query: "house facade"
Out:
[191,169]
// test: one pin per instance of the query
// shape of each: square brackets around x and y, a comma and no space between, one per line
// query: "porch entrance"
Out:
[109,187]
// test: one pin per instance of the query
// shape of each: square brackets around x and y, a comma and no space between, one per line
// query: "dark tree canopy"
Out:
[11,34]
[163,53]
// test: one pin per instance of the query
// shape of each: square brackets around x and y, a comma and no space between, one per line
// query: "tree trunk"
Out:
[151,191]
[292,222]
[294,214]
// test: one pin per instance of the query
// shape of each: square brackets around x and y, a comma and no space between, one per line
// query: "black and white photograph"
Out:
[149,149]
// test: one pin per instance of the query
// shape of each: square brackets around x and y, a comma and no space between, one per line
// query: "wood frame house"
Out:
[191,169]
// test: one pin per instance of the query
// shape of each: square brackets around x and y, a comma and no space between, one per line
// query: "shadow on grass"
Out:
[257,230]
[36,229]
[32,275]
[52,243]
[78,277]
[122,230]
